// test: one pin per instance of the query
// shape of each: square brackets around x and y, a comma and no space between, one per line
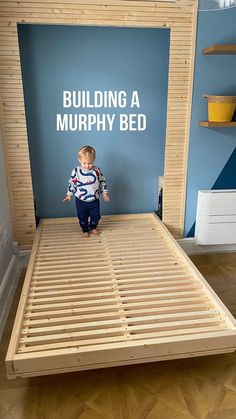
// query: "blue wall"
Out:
[57,58]
[210,149]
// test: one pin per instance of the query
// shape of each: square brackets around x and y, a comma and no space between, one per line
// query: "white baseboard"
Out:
[191,248]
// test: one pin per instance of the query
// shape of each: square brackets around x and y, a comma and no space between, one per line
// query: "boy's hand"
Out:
[106,196]
[67,198]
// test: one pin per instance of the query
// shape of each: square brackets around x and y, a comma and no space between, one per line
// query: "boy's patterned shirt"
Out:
[86,185]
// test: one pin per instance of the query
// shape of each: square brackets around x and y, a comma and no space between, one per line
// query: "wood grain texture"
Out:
[203,387]
[129,295]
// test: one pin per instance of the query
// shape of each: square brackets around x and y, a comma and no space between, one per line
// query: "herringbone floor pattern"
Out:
[202,388]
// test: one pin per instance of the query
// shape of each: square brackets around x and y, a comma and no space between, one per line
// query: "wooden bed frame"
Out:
[130,295]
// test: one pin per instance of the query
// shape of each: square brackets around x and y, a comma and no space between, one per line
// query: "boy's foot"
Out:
[95,232]
[85,235]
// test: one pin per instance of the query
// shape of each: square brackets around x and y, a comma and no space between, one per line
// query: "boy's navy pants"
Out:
[88,214]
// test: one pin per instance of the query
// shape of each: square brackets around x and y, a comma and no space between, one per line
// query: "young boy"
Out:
[87,183]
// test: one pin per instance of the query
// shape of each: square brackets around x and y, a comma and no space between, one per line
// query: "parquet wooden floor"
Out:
[202,388]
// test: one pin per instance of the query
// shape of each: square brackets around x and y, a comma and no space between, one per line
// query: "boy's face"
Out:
[86,163]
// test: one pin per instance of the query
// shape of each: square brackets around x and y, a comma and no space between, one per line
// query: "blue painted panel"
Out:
[57,58]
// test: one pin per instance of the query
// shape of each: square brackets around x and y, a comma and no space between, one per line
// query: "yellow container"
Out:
[221,108]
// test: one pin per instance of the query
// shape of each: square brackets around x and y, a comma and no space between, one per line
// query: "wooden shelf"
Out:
[219,49]
[211,124]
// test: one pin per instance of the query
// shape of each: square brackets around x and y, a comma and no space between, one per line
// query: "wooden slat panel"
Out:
[116,300]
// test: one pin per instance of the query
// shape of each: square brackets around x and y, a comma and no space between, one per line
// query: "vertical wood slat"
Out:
[13,125]
[175,181]
[179,16]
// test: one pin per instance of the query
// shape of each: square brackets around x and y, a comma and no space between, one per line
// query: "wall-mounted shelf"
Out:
[219,49]
[211,124]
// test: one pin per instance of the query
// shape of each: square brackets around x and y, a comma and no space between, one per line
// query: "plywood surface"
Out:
[130,295]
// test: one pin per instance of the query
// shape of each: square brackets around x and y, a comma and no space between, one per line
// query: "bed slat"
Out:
[113,299]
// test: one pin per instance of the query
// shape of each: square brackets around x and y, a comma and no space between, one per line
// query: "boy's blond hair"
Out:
[87,151]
